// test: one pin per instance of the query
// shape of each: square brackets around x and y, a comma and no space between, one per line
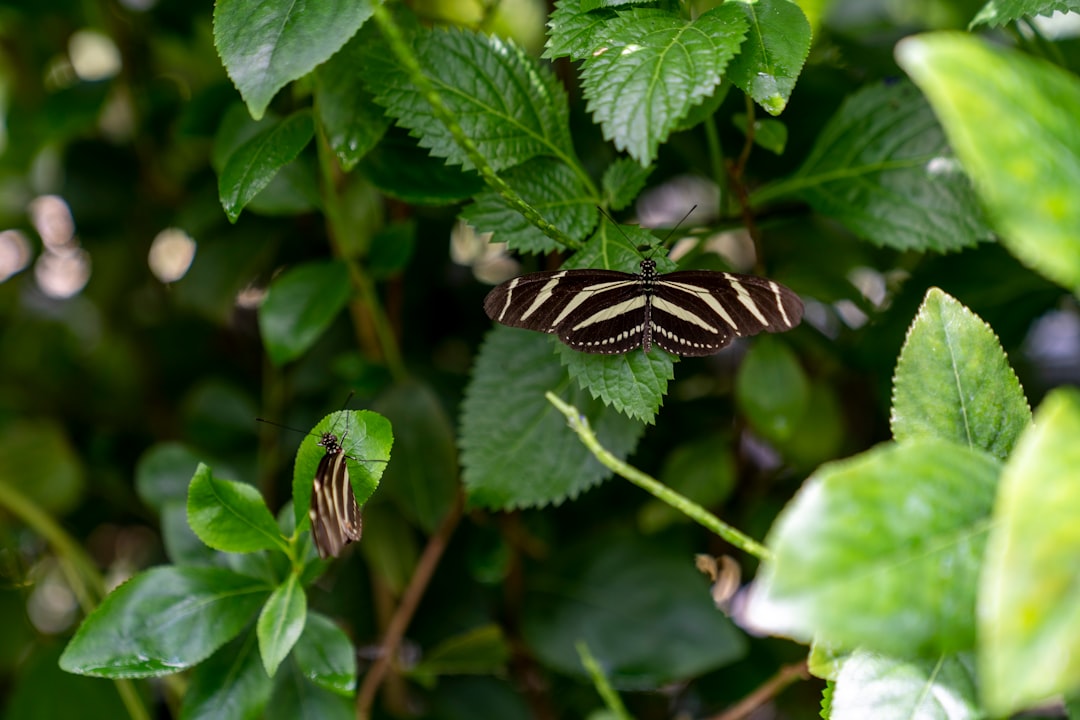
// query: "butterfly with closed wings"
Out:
[687,312]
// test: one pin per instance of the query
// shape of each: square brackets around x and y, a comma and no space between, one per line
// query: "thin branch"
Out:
[765,692]
[600,682]
[395,630]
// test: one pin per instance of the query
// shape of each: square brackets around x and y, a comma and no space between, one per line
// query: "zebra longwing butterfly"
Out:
[687,312]
[334,512]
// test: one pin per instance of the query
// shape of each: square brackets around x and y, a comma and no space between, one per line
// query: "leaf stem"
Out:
[600,682]
[716,162]
[408,60]
[580,424]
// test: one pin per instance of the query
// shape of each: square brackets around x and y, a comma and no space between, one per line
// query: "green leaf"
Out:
[163,474]
[516,449]
[575,32]
[480,651]
[281,622]
[1012,121]
[954,382]
[230,516]
[36,458]
[366,438]
[882,551]
[622,182]
[182,545]
[1029,604]
[512,108]
[326,656]
[641,606]
[254,164]
[346,109]
[621,80]
[40,689]
[230,684]
[941,688]
[553,188]
[769,62]
[299,307]
[996,13]
[769,134]
[614,247]
[402,169]
[633,383]
[126,636]
[294,698]
[265,44]
[883,168]
[772,390]
[423,479]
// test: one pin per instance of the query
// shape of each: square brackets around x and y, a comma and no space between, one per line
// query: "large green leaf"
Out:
[1029,604]
[252,165]
[163,621]
[769,62]
[651,67]
[884,688]
[772,389]
[1012,121]
[326,656]
[996,13]
[575,32]
[516,449]
[640,606]
[266,44]
[299,307]
[954,382]
[245,693]
[882,551]
[883,167]
[230,516]
[281,622]
[510,107]
[560,194]
[294,697]
[366,438]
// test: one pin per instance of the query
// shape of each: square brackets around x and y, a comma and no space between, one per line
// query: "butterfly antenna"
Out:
[681,221]
[277,424]
[619,228]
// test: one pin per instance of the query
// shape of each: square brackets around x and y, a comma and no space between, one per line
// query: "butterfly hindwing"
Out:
[335,514]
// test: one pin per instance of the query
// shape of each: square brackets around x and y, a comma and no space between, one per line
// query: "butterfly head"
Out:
[329,442]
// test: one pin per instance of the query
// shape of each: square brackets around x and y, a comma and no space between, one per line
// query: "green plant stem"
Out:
[408,60]
[600,682]
[580,424]
[83,578]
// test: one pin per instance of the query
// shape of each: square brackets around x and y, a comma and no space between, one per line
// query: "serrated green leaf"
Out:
[163,474]
[265,44]
[300,305]
[281,622]
[516,449]
[402,169]
[996,13]
[350,119]
[769,62]
[769,134]
[252,166]
[772,389]
[326,656]
[230,516]
[244,695]
[510,107]
[480,651]
[366,438]
[616,247]
[954,382]
[574,31]
[883,168]
[886,688]
[294,698]
[556,190]
[1029,604]
[633,383]
[622,182]
[1012,121]
[594,593]
[652,67]
[882,551]
[126,637]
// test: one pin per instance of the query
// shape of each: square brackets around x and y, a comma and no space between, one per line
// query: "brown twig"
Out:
[395,629]
[765,692]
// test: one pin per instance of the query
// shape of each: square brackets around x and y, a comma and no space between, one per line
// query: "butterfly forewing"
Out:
[334,513]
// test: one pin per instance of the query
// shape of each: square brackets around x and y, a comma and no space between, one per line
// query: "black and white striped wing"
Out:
[699,312]
[594,311]
[334,513]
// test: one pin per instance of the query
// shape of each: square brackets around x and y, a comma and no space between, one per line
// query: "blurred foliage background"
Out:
[129,347]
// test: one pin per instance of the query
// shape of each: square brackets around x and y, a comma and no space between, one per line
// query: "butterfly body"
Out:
[688,312]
